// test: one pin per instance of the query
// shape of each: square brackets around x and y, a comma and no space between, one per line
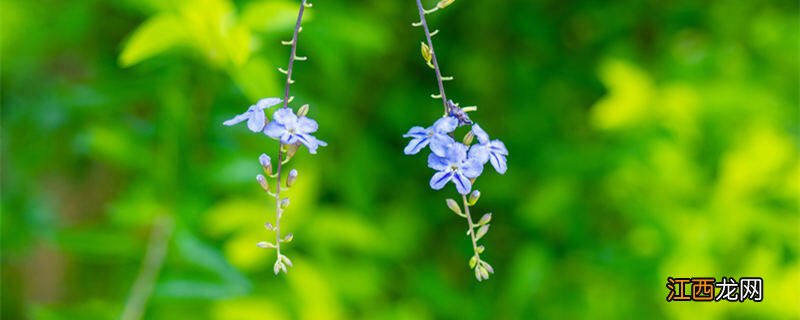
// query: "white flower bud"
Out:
[474,196]
[468,138]
[453,205]
[265,245]
[263,182]
[265,163]
[481,232]
[303,111]
[485,219]
[290,179]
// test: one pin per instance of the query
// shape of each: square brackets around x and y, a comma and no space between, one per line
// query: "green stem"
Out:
[433,55]
[151,266]
[293,54]
[278,210]
[471,228]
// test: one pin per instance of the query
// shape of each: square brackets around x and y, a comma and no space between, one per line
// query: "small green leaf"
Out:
[473,261]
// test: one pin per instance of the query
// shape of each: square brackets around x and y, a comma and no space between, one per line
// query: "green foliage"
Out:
[647,140]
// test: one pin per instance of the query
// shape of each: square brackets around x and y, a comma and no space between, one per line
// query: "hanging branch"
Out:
[458,162]
[291,130]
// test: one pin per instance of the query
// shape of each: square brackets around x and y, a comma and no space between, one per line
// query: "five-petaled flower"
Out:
[254,115]
[456,167]
[436,136]
[291,129]
[492,151]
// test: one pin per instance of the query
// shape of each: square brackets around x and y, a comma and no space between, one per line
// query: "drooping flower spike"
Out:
[291,130]
[456,162]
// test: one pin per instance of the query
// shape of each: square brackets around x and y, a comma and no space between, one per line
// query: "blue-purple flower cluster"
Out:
[285,126]
[454,161]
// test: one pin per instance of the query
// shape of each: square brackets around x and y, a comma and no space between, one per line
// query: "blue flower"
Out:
[290,129]
[254,115]
[492,151]
[436,136]
[456,167]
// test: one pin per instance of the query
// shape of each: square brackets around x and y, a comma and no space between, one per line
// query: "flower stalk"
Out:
[432,52]
[293,53]
[459,162]
[291,130]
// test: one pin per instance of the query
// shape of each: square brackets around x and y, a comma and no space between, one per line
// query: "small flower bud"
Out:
[269,226]
[290,179]
[278,266]
[468,138]
[288,238]
[291,150]
[265,163]
[427,54]
[473,261]
[487,266]
[286,260]
[453,205]
[484,272]
[303,111]
[474,196]
[265,245]
[478,274]
[485,219]
[426,51]
[284,203]
[481,232]
[481,248]
[263,182]
[444,3]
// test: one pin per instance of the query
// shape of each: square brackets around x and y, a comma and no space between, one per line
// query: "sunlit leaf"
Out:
[257,78]
[155,36]
[248,307]
[271,16]
[628,101]
[313,291]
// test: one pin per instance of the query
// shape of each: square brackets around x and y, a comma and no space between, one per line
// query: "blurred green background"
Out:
[648,139]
